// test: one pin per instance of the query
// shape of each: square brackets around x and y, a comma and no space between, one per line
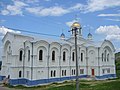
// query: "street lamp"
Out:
[75,30]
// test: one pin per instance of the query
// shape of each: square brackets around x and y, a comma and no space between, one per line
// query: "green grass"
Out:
[113,84]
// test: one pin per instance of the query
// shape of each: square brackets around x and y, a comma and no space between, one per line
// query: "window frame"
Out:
[81,71]
[81,57]
[64,56]
[53,55]
[20,55]
[73,56]
[28,55]
[40,55]
[20,74]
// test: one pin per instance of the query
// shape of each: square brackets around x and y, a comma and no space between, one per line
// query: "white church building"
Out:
[30,61]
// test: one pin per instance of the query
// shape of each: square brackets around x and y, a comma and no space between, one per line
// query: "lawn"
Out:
[70,85]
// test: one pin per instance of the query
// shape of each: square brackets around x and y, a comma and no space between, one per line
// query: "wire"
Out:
[34,32]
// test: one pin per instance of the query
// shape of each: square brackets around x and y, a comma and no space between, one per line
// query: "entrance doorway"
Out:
[93,72]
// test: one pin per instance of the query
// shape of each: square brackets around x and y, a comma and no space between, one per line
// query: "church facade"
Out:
[30,61]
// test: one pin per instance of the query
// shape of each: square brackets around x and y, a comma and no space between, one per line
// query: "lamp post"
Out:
[75,29]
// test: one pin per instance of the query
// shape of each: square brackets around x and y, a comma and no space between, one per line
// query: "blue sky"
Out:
[100,17]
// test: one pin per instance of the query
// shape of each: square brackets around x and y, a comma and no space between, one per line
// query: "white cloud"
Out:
[78,6]
[108,30]
[117,20]
[113,37]
[4,30]
[15,9]
[70,23]
[32,1]
[51,11]
[97,5]
[19,7]
[2,21]
[109,15]
[47,0]
[4,12]
[111,32]
[117,49]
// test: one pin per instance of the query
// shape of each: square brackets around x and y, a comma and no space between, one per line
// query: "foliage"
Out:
[117,62]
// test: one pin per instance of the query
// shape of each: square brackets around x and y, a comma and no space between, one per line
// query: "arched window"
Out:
[53,55]
[9,48]
[72,71]
[21,55]
[64,56]
[62,72]
[81,57]
[73,56]
[28,55]
[105,56]
[108,57]
[102,57]
[65,72]
[51,73]
[54,73]
[20,73]
[41,55]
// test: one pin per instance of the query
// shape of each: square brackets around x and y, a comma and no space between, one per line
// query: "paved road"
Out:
[3,88]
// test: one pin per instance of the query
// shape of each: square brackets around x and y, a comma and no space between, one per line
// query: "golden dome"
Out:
[76,24]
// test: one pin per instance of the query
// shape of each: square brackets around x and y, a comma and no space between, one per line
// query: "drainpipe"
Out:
[99,60]
[60,62]
[48,59]
[79,61]
[32,63]
[87,60]
[24,60]
[70,60]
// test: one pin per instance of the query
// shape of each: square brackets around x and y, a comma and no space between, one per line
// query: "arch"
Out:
[6,46]
[109,44]
[107,53]
[58,44]
[107,48]
[66,45]
[42,41]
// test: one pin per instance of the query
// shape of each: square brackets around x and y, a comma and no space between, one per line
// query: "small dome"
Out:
[89,34]
[62,36]
[76,24]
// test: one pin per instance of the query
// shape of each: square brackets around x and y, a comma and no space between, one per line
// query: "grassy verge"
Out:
[70,85]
